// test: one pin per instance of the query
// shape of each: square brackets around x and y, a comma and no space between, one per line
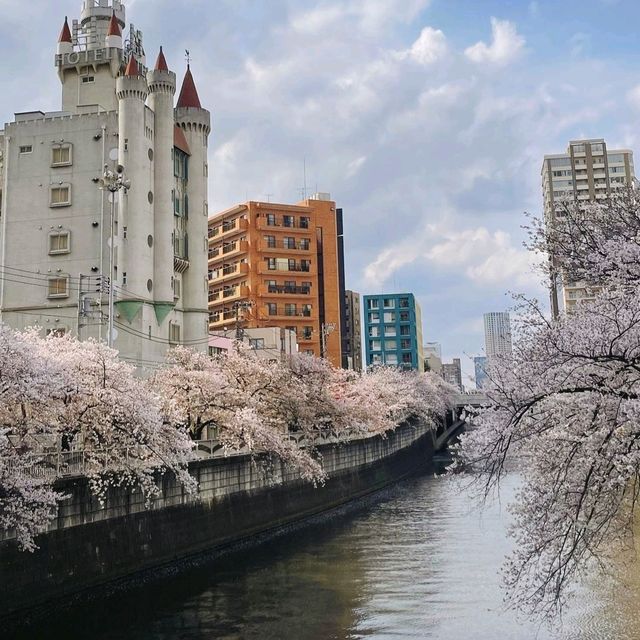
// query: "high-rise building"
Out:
[352,333]
[433,357]
[588,172]
[480,365]
[56,221]
[497,334]
[278,265]
[393,336]
[452,373]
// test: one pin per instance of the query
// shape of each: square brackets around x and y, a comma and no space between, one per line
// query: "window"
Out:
[60,196]
[374,332]
[271,242]
[287,221]
[304,222]
[405,344]
[406,358]
[176,288]
[375,345]
[306,287]
[390,345]
[403,303]
[290,309]
[389,316]
[372,304]
[304,244]
[305,265]
[292,264]
[289,243]
[174,333]
[59,242]
[391,358]
[271,264]
[290,286]
[374,317]
[376,358]
[306,310]
[256,343]
[390,330]
[389,303]
[271,219]
[307,333]
[27,148]
[124,278]
[404,316]
[58,332]
[88,79]
[272,309]
[58,287]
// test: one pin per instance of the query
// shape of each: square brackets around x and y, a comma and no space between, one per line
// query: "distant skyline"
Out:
[427,121]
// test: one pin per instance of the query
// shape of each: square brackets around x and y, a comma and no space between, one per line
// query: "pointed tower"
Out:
[114,34]
[162,88]
[65,44]
[195,123]
[135,219]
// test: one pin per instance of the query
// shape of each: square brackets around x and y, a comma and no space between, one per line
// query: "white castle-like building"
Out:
[56,221]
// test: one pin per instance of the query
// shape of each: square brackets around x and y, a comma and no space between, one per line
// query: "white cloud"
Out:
[355,165]
[634,97]
[506,45]
[430,47]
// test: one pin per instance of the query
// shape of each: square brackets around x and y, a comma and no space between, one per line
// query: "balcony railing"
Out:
[239,224]
[274,288]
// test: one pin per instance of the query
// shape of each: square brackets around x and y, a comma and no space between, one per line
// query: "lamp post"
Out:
[113,182]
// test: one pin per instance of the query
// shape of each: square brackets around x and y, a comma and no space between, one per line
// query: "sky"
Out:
[426,120]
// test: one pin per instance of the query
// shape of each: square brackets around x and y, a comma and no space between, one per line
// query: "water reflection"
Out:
[420,562]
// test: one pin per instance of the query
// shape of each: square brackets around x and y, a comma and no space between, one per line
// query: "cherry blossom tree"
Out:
[566,407]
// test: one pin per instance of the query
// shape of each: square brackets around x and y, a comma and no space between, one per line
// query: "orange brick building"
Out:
[285,261]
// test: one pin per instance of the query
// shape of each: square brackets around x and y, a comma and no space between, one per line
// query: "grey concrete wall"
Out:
[92,544]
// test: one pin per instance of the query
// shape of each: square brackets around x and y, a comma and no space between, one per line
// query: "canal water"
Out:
[419,561]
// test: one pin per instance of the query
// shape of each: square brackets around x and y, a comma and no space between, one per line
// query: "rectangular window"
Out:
[375,345]
[290,309]
[88,79]
[272,309]
[174,333]
[389,303]
[389,330]
[287,221]
[374,332]
[374,317]
[405,344]
[271,219]
[124,278]
[304,222]
[307,333]
[58,287]
[403,303]
[289,243]
[59,242]
[407,358]
[305,265]
[389,316]
[391,358]
[372,304]
[271,264]
[27,148]
[304,244]
[306,310]
[390,345]
[256,343]
[291,264]
[270,241]
[404,316]
[176,288]
[60,196]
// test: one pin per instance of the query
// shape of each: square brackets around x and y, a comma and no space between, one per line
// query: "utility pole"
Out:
[113,182]
[241,305]
[325,330]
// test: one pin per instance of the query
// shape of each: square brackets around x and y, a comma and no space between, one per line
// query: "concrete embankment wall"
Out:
[92,544]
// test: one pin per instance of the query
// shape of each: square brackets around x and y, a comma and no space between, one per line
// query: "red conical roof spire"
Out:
[114,26]
[132,67]
[188,93]
[65,34]
[161,62]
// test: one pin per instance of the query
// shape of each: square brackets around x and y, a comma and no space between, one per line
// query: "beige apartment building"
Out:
[279,265]
[55,250]
[587,172]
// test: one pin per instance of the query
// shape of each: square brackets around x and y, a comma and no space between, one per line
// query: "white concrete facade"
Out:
[55,221]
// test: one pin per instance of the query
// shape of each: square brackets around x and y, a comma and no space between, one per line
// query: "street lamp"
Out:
[113,182]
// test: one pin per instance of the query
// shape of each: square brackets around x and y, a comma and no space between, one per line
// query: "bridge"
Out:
[454,425]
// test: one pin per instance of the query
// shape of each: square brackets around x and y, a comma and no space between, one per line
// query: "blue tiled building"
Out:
[393,331]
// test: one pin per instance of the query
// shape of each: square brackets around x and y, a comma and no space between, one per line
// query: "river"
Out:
[419,561]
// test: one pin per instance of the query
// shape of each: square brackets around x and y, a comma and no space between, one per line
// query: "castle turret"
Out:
[114,34]
[195,123]
[65,44]
[162,88]
[135,153]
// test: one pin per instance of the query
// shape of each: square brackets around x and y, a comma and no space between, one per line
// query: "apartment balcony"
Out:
[281,290]
[227,229]
[282,315]
[280,228]
[229,295]
[228,250]
[229,272]
[306,338]
[297,268]
[280,247]
[221,320]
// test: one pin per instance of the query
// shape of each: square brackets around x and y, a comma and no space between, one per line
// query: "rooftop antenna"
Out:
[187,56]
[268,196]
